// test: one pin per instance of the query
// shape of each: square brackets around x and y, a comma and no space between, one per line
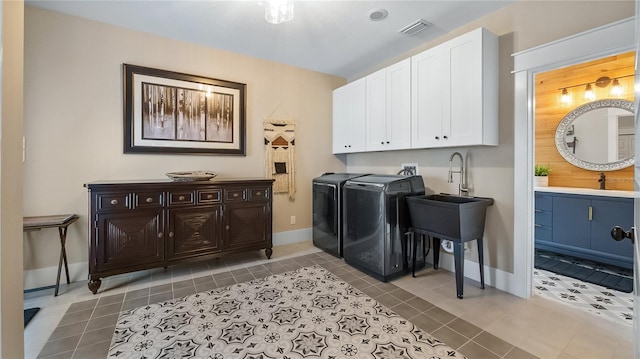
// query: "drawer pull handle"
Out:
[226,227]
[160,235]
[235,195]
[149,199]
[114,202]
[170,234]
[181,198]
[258,193]
[538,210]
[209,196]
[197,234]
[538,225]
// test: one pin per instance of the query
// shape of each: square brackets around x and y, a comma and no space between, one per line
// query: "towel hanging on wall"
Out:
[279,143]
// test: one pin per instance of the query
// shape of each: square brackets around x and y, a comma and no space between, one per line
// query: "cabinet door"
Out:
[606,215]
[194,232]
[247,225]
[376,115]
[129,239]
[571,225]
[398,125]
[427,79]
[349,116]
[462,124]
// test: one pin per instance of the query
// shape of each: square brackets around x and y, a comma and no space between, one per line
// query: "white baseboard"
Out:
[295,236]
[44,277]
[493,277]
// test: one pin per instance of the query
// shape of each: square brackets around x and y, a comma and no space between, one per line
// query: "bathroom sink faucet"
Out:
[462,187]
[602,180]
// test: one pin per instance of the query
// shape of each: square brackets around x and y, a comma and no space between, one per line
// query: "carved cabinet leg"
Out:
[268,252]
[94,285]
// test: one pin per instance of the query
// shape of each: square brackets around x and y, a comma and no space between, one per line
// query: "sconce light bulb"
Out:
[589,94]
[565,98]
[616,89]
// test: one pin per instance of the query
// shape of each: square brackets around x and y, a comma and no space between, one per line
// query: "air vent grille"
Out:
[415,27]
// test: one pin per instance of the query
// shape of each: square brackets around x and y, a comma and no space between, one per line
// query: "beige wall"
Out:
[74,126]
[11,76]
[520,26]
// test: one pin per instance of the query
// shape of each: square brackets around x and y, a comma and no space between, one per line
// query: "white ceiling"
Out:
[333,37]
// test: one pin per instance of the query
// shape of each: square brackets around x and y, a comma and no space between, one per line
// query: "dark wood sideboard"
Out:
[137,225]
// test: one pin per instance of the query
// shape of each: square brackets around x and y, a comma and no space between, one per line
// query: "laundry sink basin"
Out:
[447,216]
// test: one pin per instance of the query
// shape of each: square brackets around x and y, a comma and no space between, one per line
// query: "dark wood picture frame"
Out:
[168,112]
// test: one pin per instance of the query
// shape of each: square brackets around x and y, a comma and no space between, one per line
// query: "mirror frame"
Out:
[561,130]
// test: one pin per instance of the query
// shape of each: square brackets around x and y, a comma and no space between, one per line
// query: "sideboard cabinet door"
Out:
[247,226]
[194,232]
[129,239]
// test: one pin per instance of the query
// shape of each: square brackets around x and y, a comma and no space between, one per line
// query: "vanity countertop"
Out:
[587,191]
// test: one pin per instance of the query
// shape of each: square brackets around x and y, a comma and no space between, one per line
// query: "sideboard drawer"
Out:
[148,199]
[236,195]
[258,194]
[210,196]
[112,201]
[181,198]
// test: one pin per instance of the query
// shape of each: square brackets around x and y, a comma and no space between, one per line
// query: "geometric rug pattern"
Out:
[306,313]
[592,298]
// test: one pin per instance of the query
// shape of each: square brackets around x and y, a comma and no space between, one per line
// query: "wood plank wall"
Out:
[549,111]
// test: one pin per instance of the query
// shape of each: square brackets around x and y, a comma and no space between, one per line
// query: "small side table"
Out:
[61,221]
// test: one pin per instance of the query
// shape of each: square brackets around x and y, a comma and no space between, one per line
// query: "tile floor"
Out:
[485,324]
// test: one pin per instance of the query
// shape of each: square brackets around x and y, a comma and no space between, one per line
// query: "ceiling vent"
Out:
[415,27]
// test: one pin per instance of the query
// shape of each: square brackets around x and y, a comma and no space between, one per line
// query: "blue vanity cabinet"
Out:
[571,221]
[606,214]
[580,226]
[543,218]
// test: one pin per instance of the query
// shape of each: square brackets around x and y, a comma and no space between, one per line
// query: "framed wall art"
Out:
[172,112]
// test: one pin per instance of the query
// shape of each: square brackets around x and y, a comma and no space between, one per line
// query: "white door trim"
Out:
[606,40]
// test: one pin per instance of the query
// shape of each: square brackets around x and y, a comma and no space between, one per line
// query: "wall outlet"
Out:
[410,169]
[293,219]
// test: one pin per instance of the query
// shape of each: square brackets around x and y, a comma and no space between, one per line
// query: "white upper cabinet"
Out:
[455,92]
[388,108]
[349,114]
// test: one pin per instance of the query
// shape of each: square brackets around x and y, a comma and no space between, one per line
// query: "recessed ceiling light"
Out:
[378,14]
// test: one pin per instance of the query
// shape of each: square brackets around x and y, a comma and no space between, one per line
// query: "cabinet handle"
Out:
[537,225]
[388,142]
[445,137]
[437,137]
[160,235]
[590,213]
[114,202]
[259,193]
[226,227]
[149,199]
[209,196]
[170,234]
[537,210]
[235,195]
[181,198]
[382,142]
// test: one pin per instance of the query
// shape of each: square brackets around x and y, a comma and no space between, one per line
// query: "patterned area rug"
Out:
[307,313]
[606,303]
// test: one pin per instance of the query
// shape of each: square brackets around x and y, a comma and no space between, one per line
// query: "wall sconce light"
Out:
[565,98]
[278,11]
[616,89]
[589,93]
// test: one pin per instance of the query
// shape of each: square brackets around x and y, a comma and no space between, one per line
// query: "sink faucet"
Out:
[462,187]
[602,180]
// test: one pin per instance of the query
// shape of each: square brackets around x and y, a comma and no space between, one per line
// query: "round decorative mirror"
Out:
[598,135]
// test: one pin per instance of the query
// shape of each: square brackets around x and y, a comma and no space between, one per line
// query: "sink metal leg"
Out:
[436,252]
[481,261]
[458,258]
